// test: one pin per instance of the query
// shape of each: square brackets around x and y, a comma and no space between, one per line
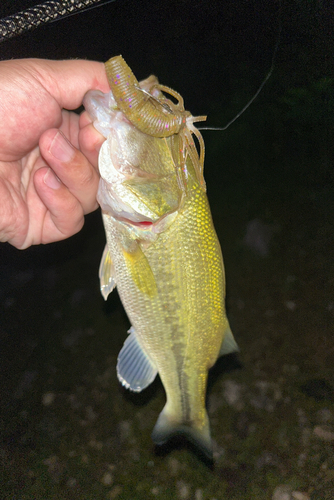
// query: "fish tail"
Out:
[167,427]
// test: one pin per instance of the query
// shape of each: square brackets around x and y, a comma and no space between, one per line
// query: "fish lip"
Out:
[134,219]
[144,224]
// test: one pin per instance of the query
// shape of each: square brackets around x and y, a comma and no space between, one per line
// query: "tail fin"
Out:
[167,427]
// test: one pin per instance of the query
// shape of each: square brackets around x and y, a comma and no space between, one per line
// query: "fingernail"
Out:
[51,180]
[61,148]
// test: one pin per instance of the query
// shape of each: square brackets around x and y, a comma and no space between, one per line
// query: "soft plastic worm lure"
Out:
[152,113]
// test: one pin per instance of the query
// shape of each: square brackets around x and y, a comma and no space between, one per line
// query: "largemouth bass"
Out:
[164,256]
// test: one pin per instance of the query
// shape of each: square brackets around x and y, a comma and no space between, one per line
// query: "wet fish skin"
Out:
[164,256]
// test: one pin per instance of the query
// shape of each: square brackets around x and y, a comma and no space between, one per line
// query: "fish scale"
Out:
[164,256]
[182,327]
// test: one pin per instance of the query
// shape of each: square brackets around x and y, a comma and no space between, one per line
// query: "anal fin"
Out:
[135,369]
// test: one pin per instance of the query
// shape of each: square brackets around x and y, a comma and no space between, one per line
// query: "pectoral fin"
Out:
[106,274]
[135,369]
[140,270]
[229,344]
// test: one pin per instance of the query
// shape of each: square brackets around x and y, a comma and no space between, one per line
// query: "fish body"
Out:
[164,256]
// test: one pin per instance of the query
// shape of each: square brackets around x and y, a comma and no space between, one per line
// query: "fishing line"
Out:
[44,13]
[263,82]
[55,10]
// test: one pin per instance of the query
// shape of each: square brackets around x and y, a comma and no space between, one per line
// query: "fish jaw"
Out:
[102,109]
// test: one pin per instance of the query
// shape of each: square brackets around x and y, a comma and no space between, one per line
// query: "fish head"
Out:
[138,182]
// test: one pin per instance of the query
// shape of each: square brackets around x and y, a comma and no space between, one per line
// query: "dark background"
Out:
[274,165]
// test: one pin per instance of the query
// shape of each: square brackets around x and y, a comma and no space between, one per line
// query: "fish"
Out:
[164,256]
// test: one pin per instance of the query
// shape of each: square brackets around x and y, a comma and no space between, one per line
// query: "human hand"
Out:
[48,156]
